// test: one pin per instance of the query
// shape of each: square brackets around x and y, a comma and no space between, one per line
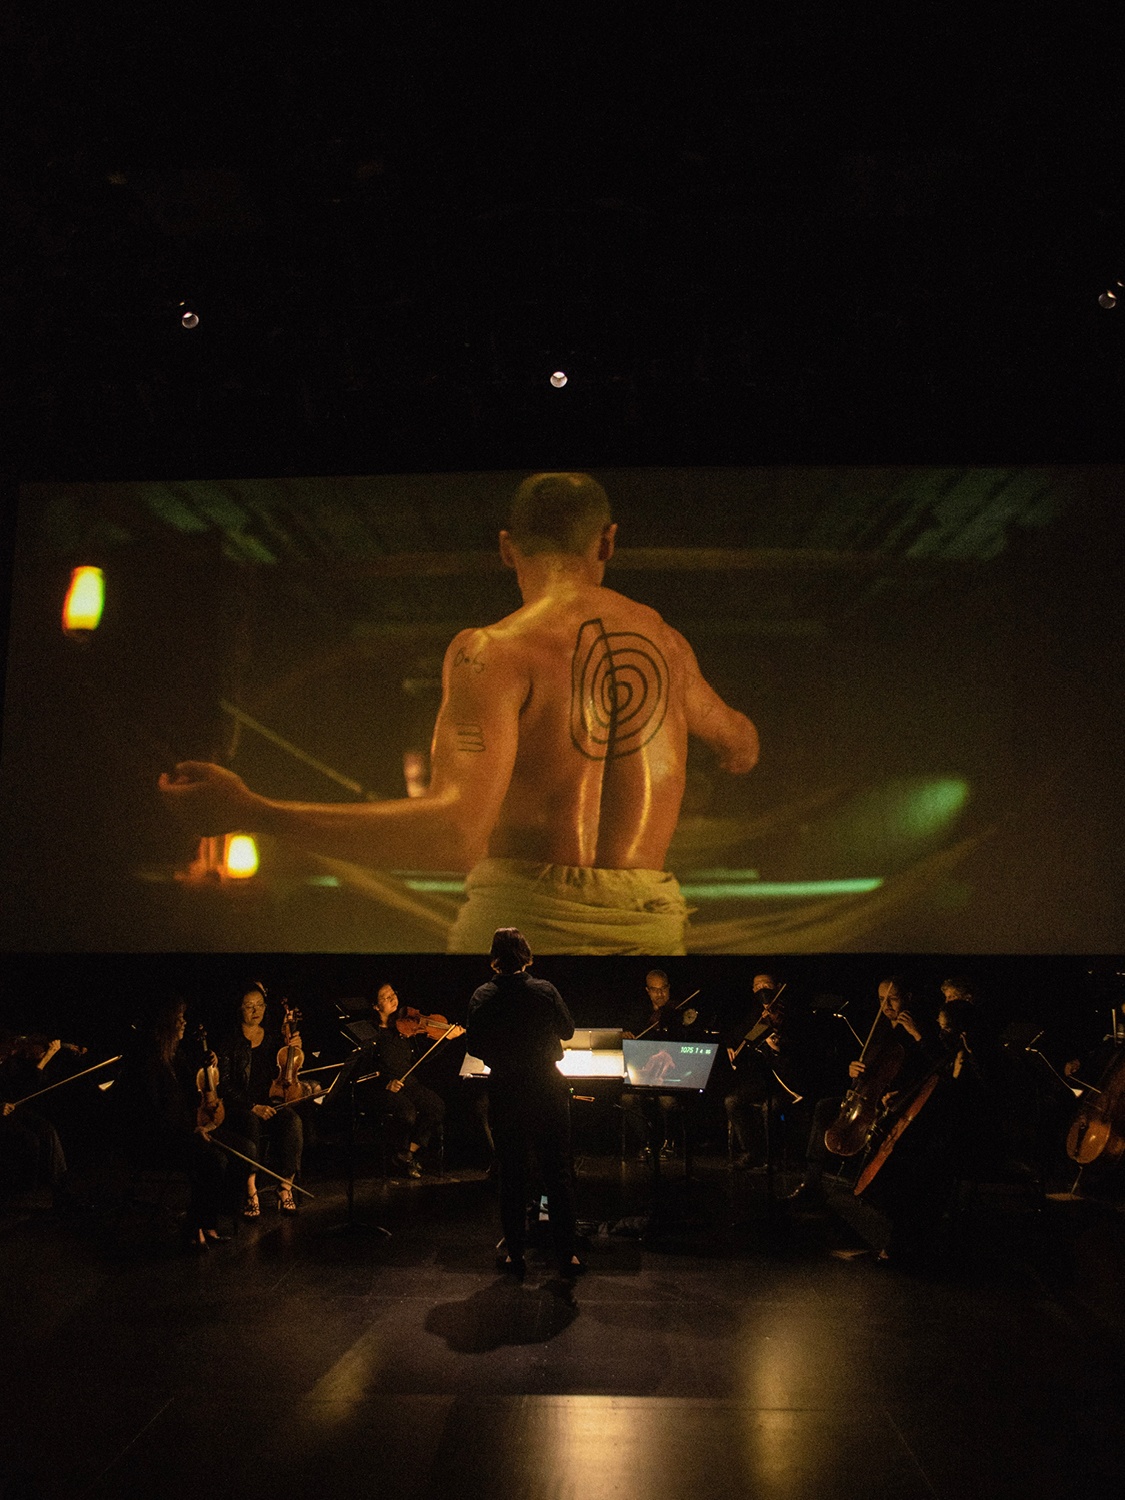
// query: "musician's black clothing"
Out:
[154,1109]
[414,1112]
[517,1026]
[245,1075]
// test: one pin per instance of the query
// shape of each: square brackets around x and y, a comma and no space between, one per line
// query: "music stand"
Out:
[347,1079]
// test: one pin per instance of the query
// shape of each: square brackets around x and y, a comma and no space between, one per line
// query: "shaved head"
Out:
[558,513]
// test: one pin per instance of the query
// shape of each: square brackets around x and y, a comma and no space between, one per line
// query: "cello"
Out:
[860,1107]
[1097,1132]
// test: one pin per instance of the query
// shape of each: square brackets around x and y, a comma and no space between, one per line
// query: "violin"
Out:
[287,1087]
[209,1113]
[411,1022]
[772,1016]
[35,1048]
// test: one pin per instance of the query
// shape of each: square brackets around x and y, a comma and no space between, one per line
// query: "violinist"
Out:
[155,1104]
[765,1047]
[248,1066]
[31,1153]
[649,1120]
[412,1111]
[973,1111]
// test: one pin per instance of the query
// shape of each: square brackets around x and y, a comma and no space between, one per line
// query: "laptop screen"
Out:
[669,1066]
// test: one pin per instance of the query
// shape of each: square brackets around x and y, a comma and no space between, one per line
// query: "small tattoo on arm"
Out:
[470,738]
[463,659]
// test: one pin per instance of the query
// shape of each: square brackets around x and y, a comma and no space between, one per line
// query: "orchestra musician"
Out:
[248,1065]
[764,1047]
[412,1111]
[31,1152]
[155,1107]
[896,1006]
[648,1119]
[517,1025]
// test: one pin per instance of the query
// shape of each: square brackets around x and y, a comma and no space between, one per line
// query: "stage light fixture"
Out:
[240,856]
[190,320]
[84,602]
[558,380]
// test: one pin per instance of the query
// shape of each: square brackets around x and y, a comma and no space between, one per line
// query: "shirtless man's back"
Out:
[561,741]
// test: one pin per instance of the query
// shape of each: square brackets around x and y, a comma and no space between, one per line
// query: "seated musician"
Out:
[154,1105]
[31,1153]
[979,1135]
[896,1005]
[648,1119]
[248,1065]
[412,1111]
[765,1047]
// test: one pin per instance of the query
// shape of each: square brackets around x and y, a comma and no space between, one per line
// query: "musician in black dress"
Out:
[517,1025]
[154,1106]
[412,1111]
[248,1065]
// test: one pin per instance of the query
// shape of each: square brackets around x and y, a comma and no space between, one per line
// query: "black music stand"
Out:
[347,1079]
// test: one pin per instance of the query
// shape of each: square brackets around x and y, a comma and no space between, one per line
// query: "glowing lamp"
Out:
[85,600]
[240,856]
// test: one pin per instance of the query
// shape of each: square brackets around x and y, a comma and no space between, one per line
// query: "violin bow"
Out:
[453,1025]
[259,1168]
[746,1038]
[675,1008]
[73,1077]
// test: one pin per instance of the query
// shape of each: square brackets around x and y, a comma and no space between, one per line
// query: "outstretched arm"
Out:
[729,733]
[473,752]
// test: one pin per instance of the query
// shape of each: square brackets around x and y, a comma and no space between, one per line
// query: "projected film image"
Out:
[767,710]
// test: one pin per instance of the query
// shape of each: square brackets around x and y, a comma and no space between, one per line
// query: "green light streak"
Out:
[779,890]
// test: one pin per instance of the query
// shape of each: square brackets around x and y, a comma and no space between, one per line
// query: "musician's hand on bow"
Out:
[6,1108]
[690,1017]
[856,1068]
[395,1086]
[263,1111]
[455,1031]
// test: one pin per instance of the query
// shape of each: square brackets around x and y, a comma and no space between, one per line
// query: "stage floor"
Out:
[728,1351]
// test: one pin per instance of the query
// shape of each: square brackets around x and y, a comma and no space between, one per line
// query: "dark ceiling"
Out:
[854,241]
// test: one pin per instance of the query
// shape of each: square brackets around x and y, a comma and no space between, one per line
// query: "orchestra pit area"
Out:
[725,1339]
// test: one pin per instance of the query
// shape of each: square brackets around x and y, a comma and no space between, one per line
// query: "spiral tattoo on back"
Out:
[618,691]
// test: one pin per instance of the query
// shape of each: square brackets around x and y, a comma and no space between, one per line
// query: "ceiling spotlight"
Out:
[558,380]
[190,320]
[1107,299]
